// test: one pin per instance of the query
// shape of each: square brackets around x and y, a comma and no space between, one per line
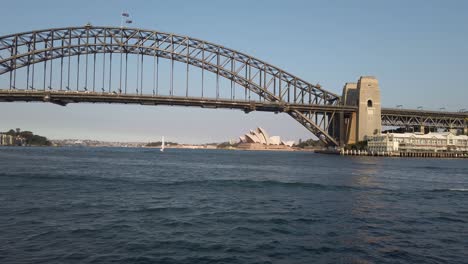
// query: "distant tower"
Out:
[369,119]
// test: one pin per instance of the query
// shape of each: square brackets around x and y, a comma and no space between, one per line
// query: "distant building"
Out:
[412,142]
[19,141]
[259,139]
[6,140]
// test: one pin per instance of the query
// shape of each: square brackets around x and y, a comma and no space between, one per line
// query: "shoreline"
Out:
[239,149]
[170,147]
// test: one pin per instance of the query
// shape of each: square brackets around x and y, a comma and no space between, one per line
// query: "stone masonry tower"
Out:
[369,121]
[348,128]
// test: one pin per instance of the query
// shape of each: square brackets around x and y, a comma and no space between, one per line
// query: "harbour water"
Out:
[124,205]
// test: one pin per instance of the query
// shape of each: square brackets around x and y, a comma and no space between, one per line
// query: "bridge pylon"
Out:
[365,94]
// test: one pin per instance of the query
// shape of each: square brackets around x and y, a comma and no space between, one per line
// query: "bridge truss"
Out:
[98,64]
[424,118]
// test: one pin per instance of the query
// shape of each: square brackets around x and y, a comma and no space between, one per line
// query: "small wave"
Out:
[307,220]
[40,235]
[430,167]
[316,250]
[179,224]
[247,183]
[451,190]
[448,219]
[167,209]
[67,177]
[82,231]
[278,221]
[459,190]
[280,231]
[250,230]
[266,183]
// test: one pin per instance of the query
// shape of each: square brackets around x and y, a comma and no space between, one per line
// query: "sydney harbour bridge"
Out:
[91,64]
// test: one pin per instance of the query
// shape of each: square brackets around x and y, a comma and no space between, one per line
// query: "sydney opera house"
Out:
[259,139]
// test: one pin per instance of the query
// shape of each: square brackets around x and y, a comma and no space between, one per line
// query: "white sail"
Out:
[162,144]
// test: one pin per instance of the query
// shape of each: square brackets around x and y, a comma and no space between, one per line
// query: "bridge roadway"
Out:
[390,116]
[65,97]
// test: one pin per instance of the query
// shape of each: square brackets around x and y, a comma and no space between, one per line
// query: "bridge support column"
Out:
[336,128]
[350,129]
[465,131]
[341,130]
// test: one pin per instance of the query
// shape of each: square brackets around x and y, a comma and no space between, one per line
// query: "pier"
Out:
[401,154]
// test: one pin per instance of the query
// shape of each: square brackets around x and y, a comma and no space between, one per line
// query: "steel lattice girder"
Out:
[402,120]
[268,81]
[317,122]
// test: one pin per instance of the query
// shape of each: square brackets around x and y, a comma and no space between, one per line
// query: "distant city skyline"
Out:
[417,50]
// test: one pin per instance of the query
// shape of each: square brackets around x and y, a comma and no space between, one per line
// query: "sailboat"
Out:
[162,144]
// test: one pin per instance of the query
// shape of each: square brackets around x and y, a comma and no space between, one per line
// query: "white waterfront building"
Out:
[6,140]
[413,142]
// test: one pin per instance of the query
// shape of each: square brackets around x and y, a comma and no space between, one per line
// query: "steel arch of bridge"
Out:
[270,83]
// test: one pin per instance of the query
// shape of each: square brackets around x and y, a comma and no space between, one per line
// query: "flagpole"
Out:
[125,19]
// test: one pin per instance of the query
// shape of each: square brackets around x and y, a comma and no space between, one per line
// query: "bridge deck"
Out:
[390,116]
[66,97]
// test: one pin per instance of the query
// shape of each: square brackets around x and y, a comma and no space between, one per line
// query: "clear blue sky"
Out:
[417,49]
